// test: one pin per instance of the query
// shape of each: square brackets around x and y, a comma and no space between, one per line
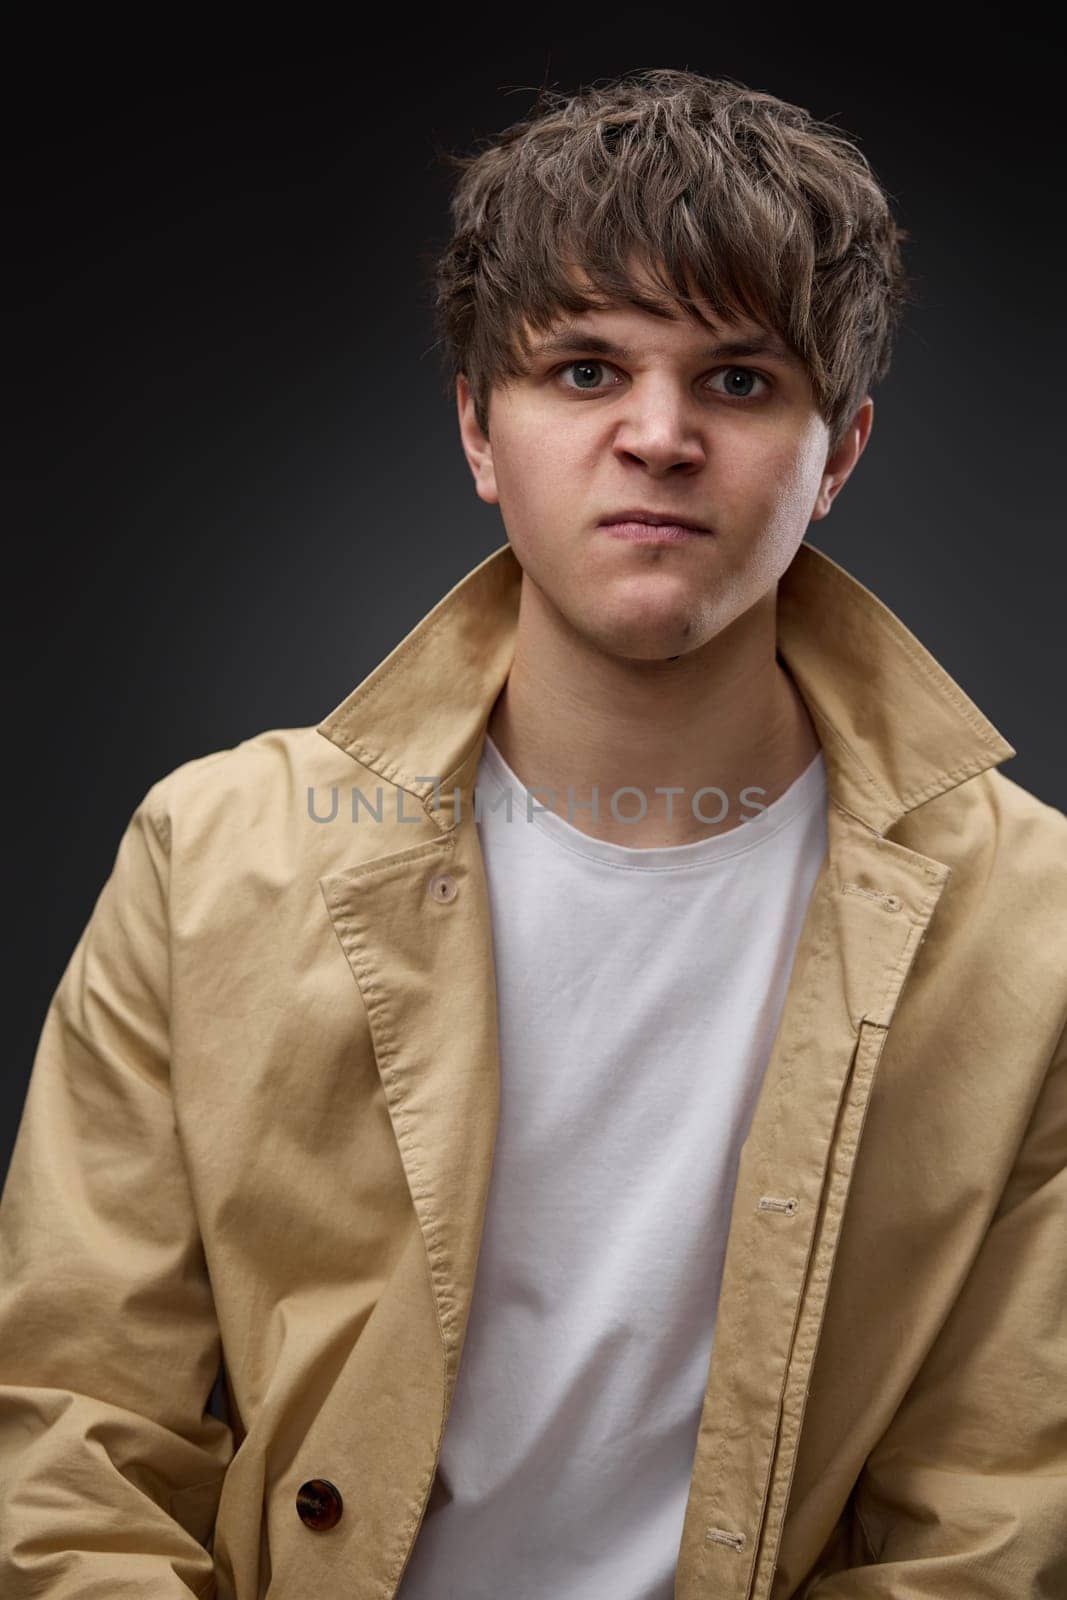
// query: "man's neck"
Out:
[726,718]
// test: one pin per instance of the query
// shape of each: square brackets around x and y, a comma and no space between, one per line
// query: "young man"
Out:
[657,1188]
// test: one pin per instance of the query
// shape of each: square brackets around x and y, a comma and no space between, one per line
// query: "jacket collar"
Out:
[895,728]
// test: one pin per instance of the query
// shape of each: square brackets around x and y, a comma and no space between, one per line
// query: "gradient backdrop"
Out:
[236,477]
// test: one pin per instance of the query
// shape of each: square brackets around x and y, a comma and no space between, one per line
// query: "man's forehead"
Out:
[627,332]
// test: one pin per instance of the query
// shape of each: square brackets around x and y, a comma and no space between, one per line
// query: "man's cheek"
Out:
[787,490]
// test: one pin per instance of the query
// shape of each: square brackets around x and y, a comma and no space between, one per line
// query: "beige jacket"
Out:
[261,1121]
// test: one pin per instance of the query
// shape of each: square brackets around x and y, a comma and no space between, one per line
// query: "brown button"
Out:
[443,887]
[319,1504]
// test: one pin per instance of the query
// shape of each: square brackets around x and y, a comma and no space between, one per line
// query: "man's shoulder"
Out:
[990,822]
[1005,902]
[258,785]
[1027,858]
[991,975]
[1021,824]
[1006,850]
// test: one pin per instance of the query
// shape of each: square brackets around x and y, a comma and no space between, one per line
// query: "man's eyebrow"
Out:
[572,336]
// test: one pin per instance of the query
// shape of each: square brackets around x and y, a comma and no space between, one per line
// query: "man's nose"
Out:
[660,427]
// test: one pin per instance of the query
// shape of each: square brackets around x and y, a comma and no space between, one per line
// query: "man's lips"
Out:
[654,533]
[652,518]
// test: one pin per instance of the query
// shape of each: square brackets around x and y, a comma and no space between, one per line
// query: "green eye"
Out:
[584,366]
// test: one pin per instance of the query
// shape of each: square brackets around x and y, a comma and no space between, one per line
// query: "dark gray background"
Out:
[236,480]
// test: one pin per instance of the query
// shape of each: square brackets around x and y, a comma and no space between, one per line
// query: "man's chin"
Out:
[642,644]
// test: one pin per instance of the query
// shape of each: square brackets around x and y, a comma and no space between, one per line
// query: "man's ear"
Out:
[841,462]
[476,446]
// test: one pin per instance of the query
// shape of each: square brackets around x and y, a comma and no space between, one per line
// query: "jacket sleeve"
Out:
[110,1470]
[966,1492]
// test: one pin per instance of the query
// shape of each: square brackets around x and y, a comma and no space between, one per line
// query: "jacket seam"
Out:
[872,1549]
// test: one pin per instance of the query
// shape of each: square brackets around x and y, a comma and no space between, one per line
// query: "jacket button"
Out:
[443,887]
[319,1504]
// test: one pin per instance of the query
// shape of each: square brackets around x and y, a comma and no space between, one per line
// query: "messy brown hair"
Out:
[767,213]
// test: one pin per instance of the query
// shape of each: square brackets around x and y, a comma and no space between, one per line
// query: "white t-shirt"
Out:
[639,994]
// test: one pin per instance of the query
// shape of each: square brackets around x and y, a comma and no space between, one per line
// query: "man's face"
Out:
[656,419]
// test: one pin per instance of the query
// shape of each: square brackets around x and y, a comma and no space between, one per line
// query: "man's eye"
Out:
[749,380]
[741,383]
[584,368]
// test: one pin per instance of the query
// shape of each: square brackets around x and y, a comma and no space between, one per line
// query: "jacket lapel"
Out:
[424,966]
[423,963]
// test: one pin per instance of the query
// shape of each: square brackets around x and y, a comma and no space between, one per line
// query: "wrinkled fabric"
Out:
[260,1126]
